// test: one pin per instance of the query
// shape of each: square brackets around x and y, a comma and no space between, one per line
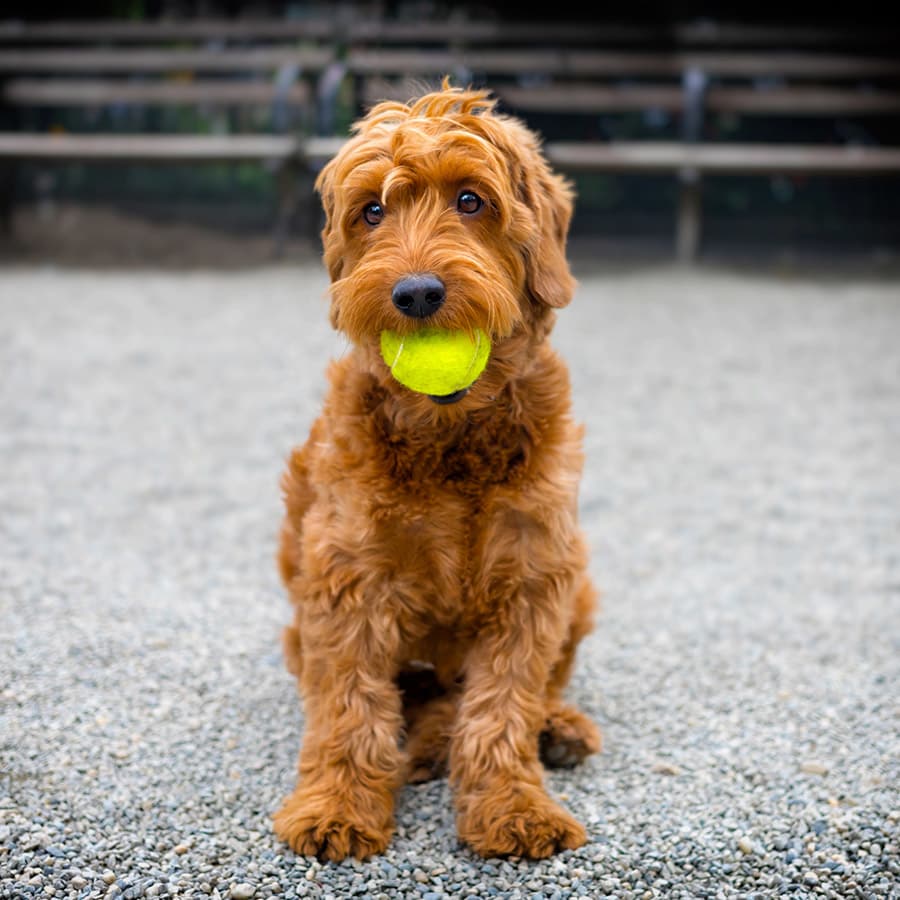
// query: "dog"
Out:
[430,545]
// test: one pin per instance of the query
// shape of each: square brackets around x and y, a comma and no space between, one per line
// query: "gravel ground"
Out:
[741,494]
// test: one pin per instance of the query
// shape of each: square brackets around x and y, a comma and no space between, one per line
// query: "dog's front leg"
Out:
[350,764]
[502,806]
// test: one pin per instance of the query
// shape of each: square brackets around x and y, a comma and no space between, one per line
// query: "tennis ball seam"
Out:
[397,354]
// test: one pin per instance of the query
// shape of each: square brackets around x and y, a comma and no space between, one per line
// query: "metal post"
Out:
[690,204]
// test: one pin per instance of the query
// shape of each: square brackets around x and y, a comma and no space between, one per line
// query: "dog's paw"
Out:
[568,737]
[525,822]
[330,831]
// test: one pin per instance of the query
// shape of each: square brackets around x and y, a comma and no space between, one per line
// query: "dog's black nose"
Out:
[419,296]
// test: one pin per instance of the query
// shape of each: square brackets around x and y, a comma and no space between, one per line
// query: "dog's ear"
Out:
[325,186]
[331,245]
[550,198]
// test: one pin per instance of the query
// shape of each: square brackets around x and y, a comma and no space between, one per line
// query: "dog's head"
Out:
[443,213]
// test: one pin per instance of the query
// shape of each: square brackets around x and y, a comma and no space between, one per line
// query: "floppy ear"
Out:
[325,186]
[331,244]
[549,197]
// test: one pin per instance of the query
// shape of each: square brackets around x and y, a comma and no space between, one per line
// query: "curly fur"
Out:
[432,552]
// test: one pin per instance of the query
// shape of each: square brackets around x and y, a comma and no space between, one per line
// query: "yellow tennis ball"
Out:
[435,361]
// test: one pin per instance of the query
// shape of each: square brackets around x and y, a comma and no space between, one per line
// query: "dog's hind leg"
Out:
[292,649]
[429,712]
[568,735]
[428,739]
[298,495]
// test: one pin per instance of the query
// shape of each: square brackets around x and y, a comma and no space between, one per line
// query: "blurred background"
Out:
[154,130]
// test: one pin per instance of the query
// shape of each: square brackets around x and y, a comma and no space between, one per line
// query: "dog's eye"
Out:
[469,203]
[373,213]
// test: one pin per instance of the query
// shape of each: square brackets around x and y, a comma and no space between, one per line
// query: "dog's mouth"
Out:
[445,399]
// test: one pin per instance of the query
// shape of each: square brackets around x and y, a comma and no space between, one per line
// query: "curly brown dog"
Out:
[431,546]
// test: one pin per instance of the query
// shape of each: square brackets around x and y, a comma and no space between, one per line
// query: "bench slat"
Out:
[599,98]
[798,101]
[159,60]
[808,101]
[36,92]
[616,63]
[593,98]
[146,148]
[669,156]
[165,30]
[436,62]
[709,33]
[664,156]
[829,66]
[696,34]
[558,98]
[326,28]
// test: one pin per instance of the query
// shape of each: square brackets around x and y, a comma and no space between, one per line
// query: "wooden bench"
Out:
[40,84]
[223,77]
[690,75]
[283,153]
[691,86]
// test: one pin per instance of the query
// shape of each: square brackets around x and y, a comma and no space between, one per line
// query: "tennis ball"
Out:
[434,361]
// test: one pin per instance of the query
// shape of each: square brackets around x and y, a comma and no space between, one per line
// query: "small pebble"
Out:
[745,845]
[242,891]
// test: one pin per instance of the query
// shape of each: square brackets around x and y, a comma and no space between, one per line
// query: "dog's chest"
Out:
[430,543]
[434,509]
[484,454]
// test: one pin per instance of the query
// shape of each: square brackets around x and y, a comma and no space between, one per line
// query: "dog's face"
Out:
[443,213]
